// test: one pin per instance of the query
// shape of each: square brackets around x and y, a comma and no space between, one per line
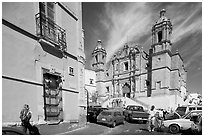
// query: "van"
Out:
[182,110]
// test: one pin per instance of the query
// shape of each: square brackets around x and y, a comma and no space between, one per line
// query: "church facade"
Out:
[155,78]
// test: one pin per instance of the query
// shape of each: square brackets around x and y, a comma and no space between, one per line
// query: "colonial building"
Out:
[43,61]
[155,78]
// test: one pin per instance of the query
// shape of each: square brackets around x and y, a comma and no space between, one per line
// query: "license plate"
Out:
[103,119]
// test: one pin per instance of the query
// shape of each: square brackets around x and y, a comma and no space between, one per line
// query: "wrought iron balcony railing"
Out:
[48,30]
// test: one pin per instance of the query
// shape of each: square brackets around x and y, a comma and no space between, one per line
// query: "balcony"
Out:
[49,31]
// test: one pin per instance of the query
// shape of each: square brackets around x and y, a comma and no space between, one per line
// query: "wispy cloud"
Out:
[125,24]
[190,22]
[132,21]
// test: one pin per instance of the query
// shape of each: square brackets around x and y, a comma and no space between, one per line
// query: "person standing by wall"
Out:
[25,116]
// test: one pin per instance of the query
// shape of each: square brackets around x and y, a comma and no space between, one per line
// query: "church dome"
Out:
[162,17]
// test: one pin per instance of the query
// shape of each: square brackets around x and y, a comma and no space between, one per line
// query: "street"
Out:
[126,129]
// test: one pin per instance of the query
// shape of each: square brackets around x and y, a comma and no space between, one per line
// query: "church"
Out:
[154,78]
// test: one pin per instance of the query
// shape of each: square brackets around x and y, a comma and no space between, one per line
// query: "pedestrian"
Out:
[151,119]
[25,116]
[164,113]
[158,121]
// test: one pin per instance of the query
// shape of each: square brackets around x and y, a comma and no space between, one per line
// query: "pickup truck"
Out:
[133,112]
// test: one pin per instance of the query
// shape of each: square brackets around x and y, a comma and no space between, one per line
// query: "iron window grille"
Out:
[48,30]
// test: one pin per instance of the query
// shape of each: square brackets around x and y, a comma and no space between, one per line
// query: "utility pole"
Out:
[149,74]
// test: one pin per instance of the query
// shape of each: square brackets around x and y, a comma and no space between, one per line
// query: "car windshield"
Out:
[186,114]
[106,113]
[181,109]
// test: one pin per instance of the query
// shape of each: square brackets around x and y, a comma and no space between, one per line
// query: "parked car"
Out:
[196,126]
[12,131]
[133,112]
[111,117]
[93,112]
[182,110]
[183,123]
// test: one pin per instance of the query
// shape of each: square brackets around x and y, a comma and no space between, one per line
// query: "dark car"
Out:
[196,126]
[136,113]
[111,117]
[12,131]
[16,131]
[93,112]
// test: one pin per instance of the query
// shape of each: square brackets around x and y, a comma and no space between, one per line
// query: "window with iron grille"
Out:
[47,11]
[47,27]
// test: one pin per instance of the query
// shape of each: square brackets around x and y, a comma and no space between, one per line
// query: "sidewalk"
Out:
[56,129]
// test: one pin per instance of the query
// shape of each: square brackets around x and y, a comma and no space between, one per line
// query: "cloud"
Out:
[125,22]
[133,21]
[189,22]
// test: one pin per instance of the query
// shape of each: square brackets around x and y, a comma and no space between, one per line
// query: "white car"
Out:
[183,123]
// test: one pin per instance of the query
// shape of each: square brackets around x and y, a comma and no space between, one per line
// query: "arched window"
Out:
[159,36]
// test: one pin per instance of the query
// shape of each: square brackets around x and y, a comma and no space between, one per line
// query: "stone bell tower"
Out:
[98,65]
[161,33]
[161,55]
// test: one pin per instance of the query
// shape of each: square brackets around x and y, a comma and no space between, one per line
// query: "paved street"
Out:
[126,129]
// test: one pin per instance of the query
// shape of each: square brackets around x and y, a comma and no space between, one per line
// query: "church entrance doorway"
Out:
[126,90]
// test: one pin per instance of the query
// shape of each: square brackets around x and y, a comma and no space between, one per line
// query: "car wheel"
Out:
[114,124]
[174,128]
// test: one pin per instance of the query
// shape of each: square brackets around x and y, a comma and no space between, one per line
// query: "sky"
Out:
[117,23]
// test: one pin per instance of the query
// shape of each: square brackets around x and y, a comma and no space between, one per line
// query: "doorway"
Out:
[126,90]
[52,97]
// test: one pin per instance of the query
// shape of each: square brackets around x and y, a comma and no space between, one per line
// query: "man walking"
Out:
[25,116]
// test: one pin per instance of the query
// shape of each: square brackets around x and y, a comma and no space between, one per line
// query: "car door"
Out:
[115,117]
[120,117]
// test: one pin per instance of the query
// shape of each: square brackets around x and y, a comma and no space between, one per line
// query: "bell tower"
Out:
[160,56]
[99,57]
[98,65]
[161,33]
